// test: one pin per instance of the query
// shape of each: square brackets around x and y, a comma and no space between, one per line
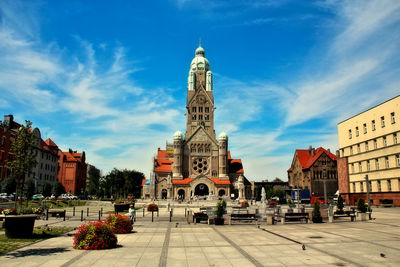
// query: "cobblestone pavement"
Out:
[177,243]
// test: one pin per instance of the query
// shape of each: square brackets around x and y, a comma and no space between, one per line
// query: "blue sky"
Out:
[110,77]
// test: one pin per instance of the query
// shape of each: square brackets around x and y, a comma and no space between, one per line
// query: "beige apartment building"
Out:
[369,152]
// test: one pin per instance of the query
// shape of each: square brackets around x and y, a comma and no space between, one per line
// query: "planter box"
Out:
[121,207]
[219,221]
[362,216]
[19,226]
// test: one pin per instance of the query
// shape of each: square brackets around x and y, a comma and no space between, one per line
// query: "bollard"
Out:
[101,212]
[81,215]
[99,215]
[73,211]
[47,214]
[134,216]
[170,215]
[65,212]
[185,212]
[157,212]
[87,212]
[143,211]
[152,216]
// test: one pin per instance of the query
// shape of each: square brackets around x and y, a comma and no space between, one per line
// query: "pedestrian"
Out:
[131,213]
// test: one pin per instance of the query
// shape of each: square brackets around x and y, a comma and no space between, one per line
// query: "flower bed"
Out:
[152,207]
[11,211]
[95,235]
[120,224]
[244,204]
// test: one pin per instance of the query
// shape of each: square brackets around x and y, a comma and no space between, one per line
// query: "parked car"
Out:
[319,199]
[37,197]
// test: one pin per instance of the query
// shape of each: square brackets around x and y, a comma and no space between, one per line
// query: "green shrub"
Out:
[220,209]
[120,224]
[361,205]
[95,235]
[340,204]
[316,213]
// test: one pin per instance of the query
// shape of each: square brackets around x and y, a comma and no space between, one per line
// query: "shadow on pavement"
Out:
[36,252]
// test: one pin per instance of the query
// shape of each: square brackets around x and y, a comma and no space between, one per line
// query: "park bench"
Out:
[244,217]
[346,213]
[295,216]
[55,213]
[200,216]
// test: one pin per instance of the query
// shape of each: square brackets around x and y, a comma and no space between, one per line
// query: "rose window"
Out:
[200,165]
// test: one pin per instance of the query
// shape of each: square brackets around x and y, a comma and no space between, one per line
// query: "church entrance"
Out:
[164,194]
[181,194]
[201,190]
[221,193]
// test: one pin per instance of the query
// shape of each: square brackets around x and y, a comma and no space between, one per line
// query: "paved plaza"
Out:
[177,243]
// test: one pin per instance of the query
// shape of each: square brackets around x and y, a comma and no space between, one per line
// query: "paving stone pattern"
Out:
[163,243]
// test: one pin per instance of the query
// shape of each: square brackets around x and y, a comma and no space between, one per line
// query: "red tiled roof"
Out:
[163,163]
[306,160]
[218,181]
[235,166]
[50,142]
[290,169]
[184,181]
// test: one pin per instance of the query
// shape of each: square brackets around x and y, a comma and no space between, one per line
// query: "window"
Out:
[384,141]
[387,162]
[200,117]
[194,117]
[357,131]
[368,165]
[358,148]
[360,167]
[393,117]
[369,186]
[379,186]
[3,141]
[41,165]
[350,134]
[354,187]
[389,184]
[207,117]
[377,164]
[398,160]
[361,186]
[383,121]
[193,109]
[395,138]
[352,167]
[193,149]
[366,146]
[365,128]
[375,144]
[351,150]
[200,109]
[373,125]
[207,109]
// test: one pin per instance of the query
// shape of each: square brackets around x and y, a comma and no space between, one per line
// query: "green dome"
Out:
[199,62]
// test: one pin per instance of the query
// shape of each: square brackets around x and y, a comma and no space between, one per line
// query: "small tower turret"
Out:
[223,155]
[177,164]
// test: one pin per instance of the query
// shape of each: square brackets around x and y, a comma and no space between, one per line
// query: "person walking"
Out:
[131,213]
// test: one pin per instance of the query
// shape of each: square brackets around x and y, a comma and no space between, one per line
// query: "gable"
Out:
[200,135]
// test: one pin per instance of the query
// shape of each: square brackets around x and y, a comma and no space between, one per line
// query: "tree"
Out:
[361,205]
[30,189]
[58,189]
[23,160]
[94,181]
[133,182]
[316,213]
[10,185]
[46,190]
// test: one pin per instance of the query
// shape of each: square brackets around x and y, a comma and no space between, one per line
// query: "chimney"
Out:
[313,152]
[329,150]
[310,148]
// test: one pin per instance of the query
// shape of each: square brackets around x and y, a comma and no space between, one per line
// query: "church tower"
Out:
[200,98]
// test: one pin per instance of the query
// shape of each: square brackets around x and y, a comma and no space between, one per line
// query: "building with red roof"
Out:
[198,163]
[73,171]
[311,168]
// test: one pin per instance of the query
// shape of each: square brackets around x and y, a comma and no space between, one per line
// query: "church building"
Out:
[198,163]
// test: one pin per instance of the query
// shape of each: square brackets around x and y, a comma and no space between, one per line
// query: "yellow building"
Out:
[369,147]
